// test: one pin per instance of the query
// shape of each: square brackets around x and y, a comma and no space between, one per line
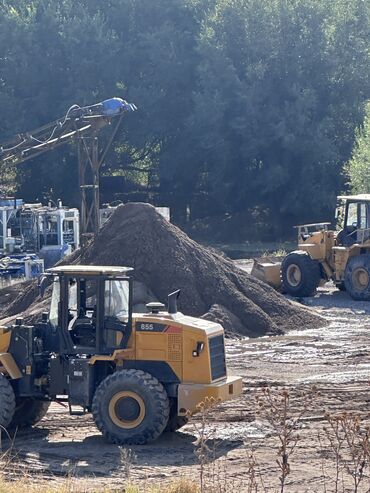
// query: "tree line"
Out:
[248,109]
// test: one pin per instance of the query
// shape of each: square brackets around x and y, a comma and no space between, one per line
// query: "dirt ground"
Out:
[335,358]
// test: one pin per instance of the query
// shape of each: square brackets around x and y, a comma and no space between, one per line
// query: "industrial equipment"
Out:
[138,374]
[342,256]
[82,124]
[20,267]
[49,231]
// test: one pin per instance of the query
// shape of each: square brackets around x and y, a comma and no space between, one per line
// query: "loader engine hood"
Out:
[177,323]
[194,348]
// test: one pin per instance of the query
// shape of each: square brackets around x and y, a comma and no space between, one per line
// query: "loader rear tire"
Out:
[300,274]
[357,277]
[7,402]
[131,407]
[29,412]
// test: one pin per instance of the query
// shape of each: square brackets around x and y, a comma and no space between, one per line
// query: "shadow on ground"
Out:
[329,298]
[38,450]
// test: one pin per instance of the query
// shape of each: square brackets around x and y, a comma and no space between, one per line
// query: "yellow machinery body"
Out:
[341,255]
[138,374]
[267,270]
[173,340]
[184,344]
[322,246]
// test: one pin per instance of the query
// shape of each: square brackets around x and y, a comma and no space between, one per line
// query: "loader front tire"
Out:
[300,274]
[357,277]
[28,412]
[7,402]
[131,407]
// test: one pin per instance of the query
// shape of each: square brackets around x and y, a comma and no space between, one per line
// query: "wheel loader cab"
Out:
[91,309]
[353,220]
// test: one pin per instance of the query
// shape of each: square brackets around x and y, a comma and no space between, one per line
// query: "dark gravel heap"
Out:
[165,259]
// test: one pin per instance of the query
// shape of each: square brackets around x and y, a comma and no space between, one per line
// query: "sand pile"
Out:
[10,292]
[165,259]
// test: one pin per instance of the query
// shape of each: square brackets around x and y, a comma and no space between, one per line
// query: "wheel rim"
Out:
[294,275]
[360,279]
[126,409]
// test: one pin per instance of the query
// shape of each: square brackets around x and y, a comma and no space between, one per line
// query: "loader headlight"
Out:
[198,350]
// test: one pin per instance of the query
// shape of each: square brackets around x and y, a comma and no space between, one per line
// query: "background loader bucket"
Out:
[268,271]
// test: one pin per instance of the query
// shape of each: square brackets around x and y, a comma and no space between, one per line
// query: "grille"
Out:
[174,347]
[217,356]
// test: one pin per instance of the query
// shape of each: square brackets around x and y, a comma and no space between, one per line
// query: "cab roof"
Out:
[90,270]
[364,197]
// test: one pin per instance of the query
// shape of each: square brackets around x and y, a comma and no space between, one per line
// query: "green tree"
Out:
[358,167]
[245,107]
[276,118]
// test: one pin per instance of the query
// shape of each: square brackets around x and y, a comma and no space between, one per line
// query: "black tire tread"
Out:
[29,412]
[7,402]
[362,260]
[310,270]
[159,421]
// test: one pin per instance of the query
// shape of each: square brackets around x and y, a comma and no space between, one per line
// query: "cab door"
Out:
[115,314]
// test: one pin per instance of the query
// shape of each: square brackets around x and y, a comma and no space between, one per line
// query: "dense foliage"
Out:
[358,167]
[247,109]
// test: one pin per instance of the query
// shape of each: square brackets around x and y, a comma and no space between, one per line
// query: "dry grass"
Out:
[343,444]
[275,406]
[71,486]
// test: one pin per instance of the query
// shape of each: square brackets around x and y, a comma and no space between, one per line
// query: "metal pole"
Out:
[95,199]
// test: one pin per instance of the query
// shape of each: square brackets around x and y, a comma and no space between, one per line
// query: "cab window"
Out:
[352,215]
[116,299]
[72,295]
[363,216]
[55,298]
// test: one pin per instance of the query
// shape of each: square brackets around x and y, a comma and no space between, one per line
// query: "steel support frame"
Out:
[90,160]
[88,166]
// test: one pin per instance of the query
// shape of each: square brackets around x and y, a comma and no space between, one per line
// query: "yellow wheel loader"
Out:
[323,254]
[138,374]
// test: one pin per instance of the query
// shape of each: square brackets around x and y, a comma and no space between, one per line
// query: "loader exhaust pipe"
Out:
[172,301]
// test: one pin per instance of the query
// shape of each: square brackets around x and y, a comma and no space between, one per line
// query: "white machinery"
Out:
[50,232]
[9,212]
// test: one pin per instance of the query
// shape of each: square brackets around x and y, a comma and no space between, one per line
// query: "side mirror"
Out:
[198,350]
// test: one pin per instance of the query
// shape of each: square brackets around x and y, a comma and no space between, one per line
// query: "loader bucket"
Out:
[268,271]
